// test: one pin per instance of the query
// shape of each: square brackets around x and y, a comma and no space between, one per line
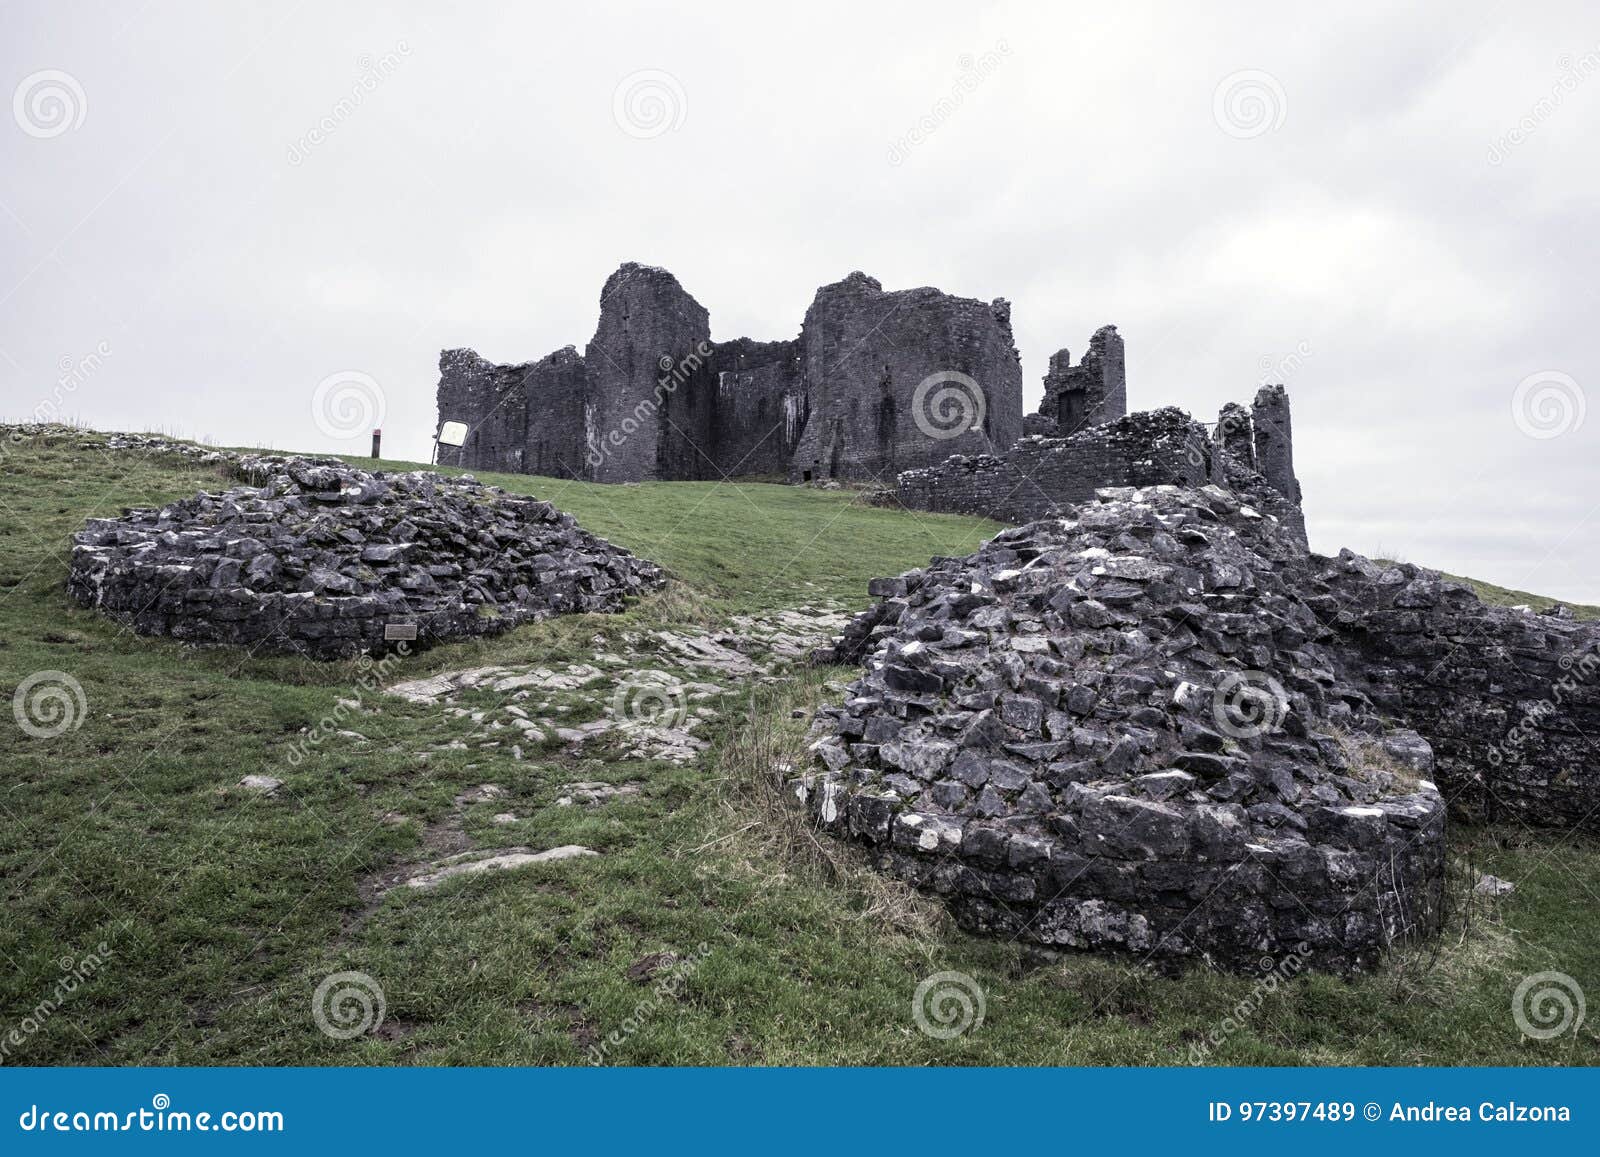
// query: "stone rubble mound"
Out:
[1132,729]
[315,557]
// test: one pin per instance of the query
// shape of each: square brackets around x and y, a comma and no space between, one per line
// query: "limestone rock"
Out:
[1174,762]
[1488,885]
[475,863]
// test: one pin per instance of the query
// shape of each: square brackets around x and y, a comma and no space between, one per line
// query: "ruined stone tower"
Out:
[1274,449]
[1091,393]
[904,379]
[646,409]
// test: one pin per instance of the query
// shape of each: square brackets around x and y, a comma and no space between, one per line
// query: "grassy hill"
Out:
[1506,597]
[222,910]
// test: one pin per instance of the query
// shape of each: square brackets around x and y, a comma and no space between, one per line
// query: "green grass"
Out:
[223,910]
[1499,596]
[1506,597]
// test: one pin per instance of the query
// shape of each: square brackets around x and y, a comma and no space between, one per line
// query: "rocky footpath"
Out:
[315,557]
[645,695]
[1128,730]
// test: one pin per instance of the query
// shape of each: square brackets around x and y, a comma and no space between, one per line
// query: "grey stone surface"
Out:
[318,558]
[1488,885]
[647,401]
[1508,699]
[866,354]
[1091,393]
[1164,680]
[1274,447]
[476,863]
[1128,728]
[1040,476]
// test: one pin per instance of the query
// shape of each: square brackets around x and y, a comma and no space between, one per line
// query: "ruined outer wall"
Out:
[652,398]
[557,390]
[865,353]
[1039,475]
[759,408]
[492,400]
[1106,369]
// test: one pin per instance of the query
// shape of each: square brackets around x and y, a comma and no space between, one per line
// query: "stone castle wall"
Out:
[1038,476]
[761,406]
[649,327]
[903,380]
[497,397]
[1509,699]
[557,400]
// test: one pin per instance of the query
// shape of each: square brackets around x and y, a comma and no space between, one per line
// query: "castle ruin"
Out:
[653,398]
[914,389]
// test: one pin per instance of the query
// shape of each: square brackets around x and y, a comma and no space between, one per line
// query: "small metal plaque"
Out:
[399,632]
[452,433]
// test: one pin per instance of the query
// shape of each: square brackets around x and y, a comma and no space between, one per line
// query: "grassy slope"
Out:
[224,910]
[1507,597]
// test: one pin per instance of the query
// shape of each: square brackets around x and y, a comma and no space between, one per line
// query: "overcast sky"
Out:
[208,209]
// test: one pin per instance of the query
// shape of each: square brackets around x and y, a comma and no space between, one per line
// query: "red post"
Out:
[377,441]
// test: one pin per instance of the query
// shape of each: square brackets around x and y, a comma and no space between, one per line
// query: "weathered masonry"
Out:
[1042,474]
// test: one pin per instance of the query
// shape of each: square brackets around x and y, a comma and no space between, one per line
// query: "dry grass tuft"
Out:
[755,762]
[1473,942]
